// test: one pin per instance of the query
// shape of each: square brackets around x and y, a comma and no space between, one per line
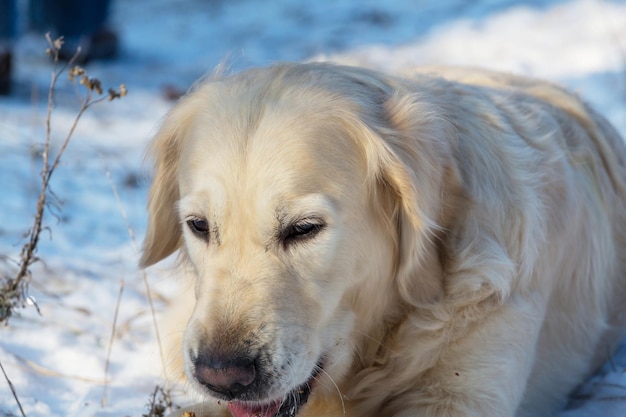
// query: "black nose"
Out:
[230,377]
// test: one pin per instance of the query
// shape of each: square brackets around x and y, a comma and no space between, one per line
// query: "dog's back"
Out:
[587,313]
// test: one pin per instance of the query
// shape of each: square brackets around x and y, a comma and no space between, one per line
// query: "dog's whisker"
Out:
[357,351]
[378,341]
[330,378]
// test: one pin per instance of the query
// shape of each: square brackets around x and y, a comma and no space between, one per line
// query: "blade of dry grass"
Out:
[47,372]
[131,234]
[109,349]
[17,400]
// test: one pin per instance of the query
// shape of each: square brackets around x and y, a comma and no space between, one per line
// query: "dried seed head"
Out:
[96,85]
[58,43]
[113,94]
[92,84]
[75,72]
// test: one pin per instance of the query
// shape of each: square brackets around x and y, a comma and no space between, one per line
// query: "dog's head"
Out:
[297,198]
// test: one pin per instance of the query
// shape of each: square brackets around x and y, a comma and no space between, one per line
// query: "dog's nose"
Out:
[229,377]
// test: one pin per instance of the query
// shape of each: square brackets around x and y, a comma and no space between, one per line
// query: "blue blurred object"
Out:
[8,17]
[69,18]
[83,24]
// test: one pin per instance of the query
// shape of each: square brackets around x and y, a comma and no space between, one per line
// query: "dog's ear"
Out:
[427,185]
[415,158]
[163,234]
[410,164]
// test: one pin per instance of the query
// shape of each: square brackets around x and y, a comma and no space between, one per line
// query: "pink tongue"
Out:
[242,409]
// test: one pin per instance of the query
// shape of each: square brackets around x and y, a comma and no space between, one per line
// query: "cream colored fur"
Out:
[472,260]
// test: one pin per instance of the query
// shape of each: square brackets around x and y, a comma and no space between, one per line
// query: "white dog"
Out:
[448,244]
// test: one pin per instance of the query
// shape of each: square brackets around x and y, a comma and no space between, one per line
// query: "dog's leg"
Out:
[482,374]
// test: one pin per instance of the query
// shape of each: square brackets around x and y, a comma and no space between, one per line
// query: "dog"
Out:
[446,243]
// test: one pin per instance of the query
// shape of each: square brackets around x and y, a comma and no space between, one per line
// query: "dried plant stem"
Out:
[131,234]
[154,323]
[108,357]
[13,293]
[38,369]
[28,251]
[17,400]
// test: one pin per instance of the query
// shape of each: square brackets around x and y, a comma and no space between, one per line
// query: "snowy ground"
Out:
[56,361]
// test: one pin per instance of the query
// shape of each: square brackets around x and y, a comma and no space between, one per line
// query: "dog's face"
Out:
[279,212]
[277,224]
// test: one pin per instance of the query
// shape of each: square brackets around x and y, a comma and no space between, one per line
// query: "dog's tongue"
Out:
[242,409]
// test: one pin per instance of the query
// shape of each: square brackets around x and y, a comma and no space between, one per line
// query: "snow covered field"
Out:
[56,361]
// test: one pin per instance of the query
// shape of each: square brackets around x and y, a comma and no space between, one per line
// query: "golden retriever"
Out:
[450,243]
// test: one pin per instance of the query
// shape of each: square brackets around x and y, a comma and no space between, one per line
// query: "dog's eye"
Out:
[199,227]
[304,229]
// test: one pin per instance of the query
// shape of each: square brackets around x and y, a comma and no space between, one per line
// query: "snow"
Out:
[56,360]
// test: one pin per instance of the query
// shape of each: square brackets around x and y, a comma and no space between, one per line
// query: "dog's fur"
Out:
[468,249]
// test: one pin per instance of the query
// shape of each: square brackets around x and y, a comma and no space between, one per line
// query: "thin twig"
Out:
[108,357]
[29,249]
[17,400]
[610,385]
[154,321]
[47,372]
[131,234]
[15,292]
[609,399]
